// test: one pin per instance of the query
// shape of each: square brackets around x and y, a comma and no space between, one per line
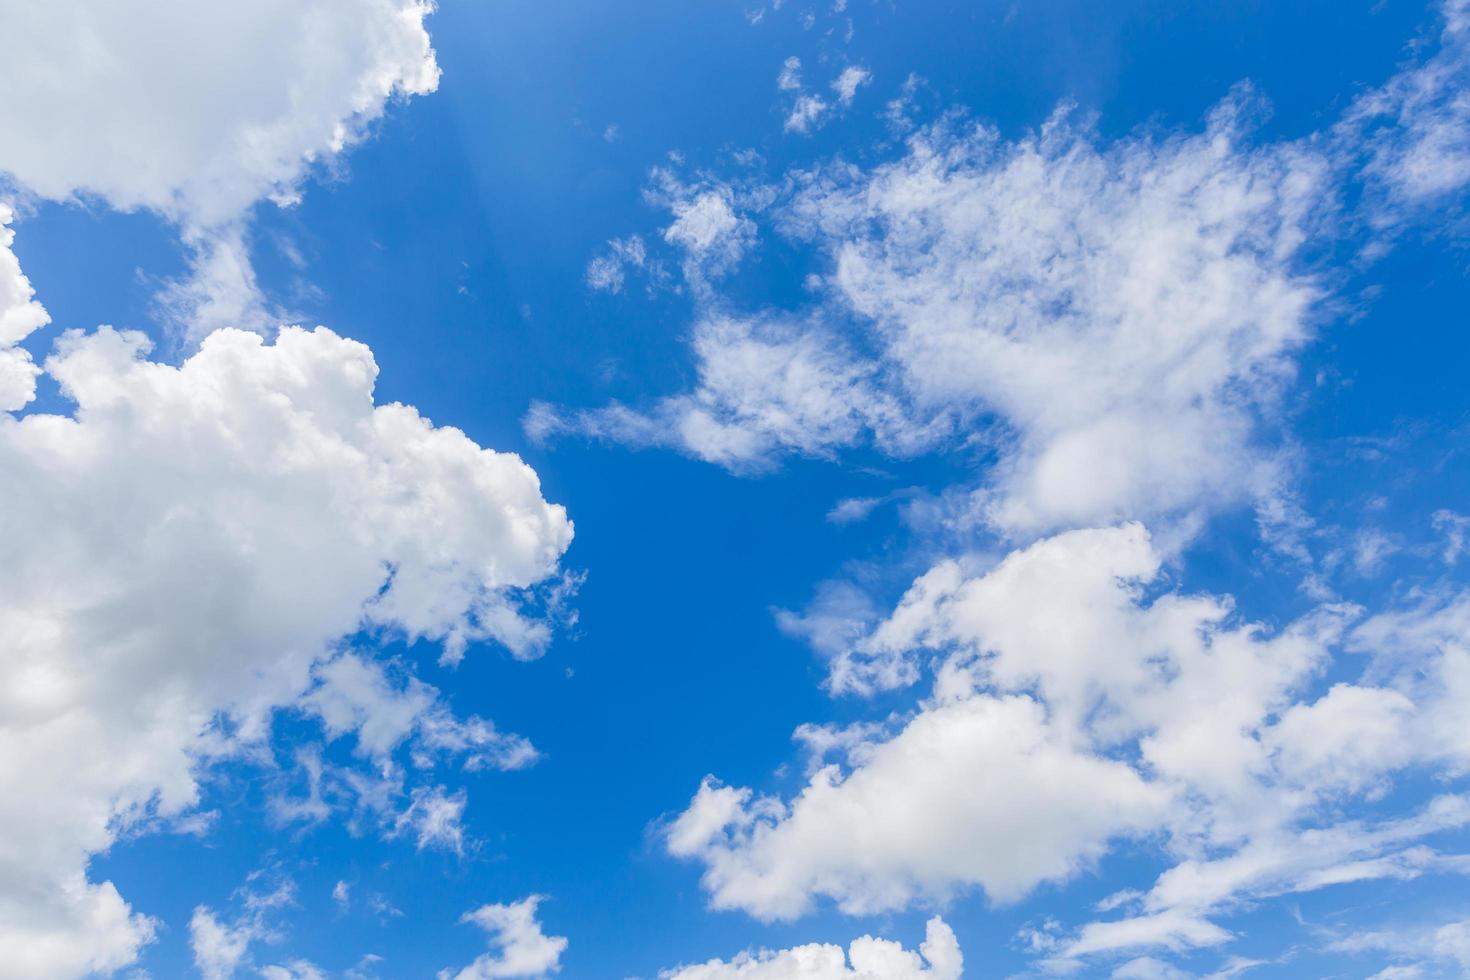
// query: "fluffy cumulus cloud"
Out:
[198,113]
[896,831]
[867,958]
[20,316]
[1073,705]
[519,947]
[179,557]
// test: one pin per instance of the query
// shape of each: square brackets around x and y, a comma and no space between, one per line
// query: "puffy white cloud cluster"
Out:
[1071,707]
[181,552]
[20,316]
[199,112]
[976,792]
[519,946]
[867,958]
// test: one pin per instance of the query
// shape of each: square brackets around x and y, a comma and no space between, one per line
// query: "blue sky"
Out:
[1053,411]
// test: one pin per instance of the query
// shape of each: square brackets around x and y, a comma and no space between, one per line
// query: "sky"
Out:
[752,490]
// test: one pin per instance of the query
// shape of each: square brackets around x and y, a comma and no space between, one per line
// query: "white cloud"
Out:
[1424,651]
[806,113]
[295,970]
[219,949]
[519,946]
[707,228]
[175,558]
[1436,947]
[1398,973]
[1176,913]
[1127,310]
[766,388]
[1115,318]
[1072,705]
[1453,526]
[198,113]
[222,949]
[219,290]
[978,792]
[606,273]
[867,958]
[356,695]
[790,78]
[1148,968]
[435,817]
[1415,130]
[1312,752]
[847,83]
[20,316]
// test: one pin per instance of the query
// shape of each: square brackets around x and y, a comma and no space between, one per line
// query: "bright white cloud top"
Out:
[199,112]
[20,316]
[1054,669]
[938,958]
[180,553]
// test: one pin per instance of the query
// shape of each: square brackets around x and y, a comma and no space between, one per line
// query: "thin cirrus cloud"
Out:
[1121,315]
[1080,293]
[198,113]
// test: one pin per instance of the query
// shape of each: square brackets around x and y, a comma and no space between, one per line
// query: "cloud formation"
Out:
[1113,321]
[199,113]
[1073,705]
[519,947]
[194,112]
[20,316]
[180,553]
[1124,311]
[867,958]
